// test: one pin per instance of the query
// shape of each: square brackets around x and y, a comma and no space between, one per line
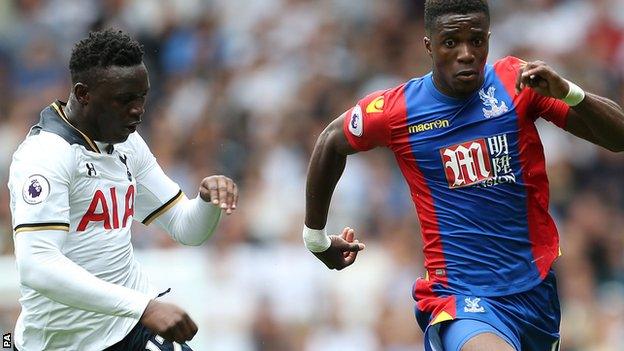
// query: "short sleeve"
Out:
[550,109]
[156,192]
[39,186]
[366,125]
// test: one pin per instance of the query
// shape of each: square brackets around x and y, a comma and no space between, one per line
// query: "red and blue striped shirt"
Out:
[476,171]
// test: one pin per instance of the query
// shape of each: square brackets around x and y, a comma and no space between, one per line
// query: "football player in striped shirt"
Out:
[465,140]
[77,181]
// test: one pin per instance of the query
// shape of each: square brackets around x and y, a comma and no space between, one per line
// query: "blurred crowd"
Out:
[244,87]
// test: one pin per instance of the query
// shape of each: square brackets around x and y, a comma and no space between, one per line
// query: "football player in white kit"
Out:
[79,179]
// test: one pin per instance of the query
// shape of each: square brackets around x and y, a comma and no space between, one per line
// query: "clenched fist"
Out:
[543,79]
[168,321]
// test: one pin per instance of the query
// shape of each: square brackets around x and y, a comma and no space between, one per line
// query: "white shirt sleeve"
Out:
[156,192]
[39,184]
[43,267]
[190,222]
[159,199]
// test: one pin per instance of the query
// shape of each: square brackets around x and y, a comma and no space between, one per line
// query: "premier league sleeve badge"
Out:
[35,189]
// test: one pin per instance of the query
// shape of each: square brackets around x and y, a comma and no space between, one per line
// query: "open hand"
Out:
[168,321]
[543,79]
[221,191]
[343,250]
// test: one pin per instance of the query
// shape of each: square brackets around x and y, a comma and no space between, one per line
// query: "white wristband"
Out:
[315,240]
[575,95]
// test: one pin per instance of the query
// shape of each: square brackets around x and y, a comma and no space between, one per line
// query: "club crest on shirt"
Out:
[355,122]
[490,101]
[36,189]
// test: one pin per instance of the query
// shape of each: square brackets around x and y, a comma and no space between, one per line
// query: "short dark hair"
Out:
[103,49]
[437,8]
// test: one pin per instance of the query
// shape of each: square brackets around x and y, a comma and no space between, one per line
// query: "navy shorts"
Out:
[528,320]
[141,338]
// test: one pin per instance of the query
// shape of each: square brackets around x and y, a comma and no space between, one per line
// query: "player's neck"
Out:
[74,115]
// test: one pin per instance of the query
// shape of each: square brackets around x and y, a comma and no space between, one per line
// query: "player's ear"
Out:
[81,92]
[427,42]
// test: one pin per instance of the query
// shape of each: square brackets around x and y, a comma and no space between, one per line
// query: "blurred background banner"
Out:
[244,87]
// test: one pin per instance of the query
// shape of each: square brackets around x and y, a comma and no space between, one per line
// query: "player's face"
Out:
[117,102]
[458,46]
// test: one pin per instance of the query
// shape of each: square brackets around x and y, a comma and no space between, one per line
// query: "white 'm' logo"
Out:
[489,100]
[467,162]
[472,305]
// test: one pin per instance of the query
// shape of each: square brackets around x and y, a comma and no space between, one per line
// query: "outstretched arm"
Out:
[326,166]
[591,117]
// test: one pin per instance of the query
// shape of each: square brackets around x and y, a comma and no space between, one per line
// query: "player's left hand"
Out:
[343,250]
[543,79]
[220,191]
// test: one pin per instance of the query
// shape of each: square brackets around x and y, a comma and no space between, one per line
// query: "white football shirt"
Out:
[60,179]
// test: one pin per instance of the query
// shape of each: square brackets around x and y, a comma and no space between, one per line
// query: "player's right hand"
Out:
[343,250]
[168,321]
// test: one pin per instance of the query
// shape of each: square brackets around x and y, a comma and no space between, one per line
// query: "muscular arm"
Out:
[598,120]
[326,166]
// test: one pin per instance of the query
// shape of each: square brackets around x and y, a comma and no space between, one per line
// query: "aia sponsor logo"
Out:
[105,210]
[484,162]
